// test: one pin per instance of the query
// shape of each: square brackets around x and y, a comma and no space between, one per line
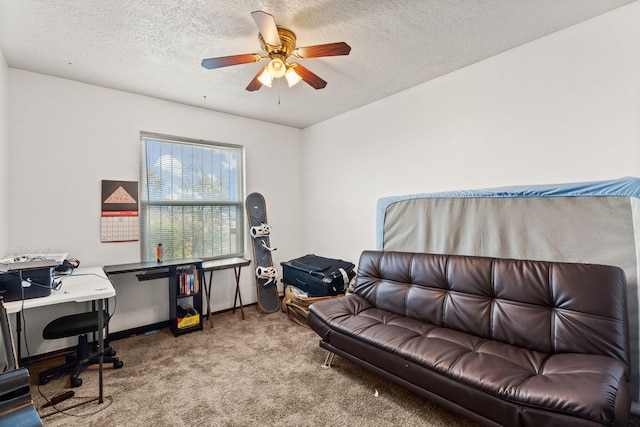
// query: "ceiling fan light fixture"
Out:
[277,67]
[292,77]
[265,77]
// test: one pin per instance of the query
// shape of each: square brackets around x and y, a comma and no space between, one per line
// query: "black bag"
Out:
[318,276]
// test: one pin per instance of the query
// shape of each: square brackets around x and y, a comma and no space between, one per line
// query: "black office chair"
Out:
[77,324]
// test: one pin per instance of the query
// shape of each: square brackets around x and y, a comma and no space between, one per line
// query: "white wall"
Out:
[65,137]
[564,108]
[4,159]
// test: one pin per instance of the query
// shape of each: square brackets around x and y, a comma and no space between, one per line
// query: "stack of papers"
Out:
[31,261]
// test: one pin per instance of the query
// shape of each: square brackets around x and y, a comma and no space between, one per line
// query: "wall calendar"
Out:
[119,220]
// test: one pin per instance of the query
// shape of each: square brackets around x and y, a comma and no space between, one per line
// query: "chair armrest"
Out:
[16,405]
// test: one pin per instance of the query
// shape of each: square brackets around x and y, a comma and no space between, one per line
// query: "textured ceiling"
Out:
[154,47]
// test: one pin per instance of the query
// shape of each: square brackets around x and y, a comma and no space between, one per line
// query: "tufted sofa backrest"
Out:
[551,307]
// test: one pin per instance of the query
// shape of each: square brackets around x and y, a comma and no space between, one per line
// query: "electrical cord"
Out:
[86,399]
[24,322]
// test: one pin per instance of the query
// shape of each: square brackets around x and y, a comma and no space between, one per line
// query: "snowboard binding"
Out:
[268,273]
[260,230]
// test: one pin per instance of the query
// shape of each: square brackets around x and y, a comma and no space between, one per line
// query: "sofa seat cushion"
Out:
[577,384]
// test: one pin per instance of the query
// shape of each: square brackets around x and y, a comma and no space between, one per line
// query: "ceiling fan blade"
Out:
[329,49]
[225,61]
[255,83]
[266,24]
[310,78]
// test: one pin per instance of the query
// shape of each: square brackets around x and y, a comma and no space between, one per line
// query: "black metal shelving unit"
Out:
[185,297]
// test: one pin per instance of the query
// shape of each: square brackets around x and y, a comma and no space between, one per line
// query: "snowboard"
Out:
[265,272]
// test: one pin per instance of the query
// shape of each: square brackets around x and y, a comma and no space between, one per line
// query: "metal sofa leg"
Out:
[328,360]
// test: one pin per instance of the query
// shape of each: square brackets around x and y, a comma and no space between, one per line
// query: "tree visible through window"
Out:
[191,195]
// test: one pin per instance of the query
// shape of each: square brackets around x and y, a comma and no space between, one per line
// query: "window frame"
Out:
[148,241]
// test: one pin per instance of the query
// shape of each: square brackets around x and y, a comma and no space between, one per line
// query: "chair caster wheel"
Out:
[110,353]
[76,382]
[118,364]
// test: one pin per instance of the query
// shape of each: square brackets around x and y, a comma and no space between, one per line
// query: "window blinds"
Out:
[191,198]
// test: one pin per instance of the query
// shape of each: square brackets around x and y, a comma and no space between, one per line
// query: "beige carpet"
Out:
[262,371]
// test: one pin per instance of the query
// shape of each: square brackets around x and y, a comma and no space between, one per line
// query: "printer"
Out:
[26,279]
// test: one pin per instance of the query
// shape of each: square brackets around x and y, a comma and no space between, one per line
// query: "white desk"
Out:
[84,285]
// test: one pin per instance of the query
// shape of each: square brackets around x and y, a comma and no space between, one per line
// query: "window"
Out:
[191,195]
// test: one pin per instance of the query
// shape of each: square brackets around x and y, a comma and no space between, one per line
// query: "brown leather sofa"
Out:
[504,342]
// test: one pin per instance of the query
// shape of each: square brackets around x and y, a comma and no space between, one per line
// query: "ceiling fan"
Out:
[279,45]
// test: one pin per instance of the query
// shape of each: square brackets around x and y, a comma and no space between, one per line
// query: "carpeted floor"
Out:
[262,371]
